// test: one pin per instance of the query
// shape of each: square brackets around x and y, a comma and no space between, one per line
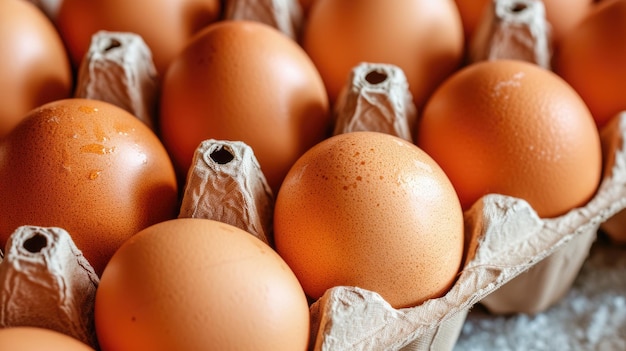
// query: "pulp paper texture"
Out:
[284,15]
[505,238]
[118,68]
[513,29]
[225,183]
[46,282]
[376,98]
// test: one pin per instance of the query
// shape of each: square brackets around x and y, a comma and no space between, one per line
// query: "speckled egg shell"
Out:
[370,210]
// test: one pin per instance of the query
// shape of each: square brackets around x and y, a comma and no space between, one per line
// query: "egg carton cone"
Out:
[376,96]
[284,15]
[228,173]
[506,241]
[513,29]
[118,68]
[46,282]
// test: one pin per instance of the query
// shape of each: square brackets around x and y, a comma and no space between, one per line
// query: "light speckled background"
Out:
[592,316]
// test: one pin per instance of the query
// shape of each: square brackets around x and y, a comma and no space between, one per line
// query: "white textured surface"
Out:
[592,316]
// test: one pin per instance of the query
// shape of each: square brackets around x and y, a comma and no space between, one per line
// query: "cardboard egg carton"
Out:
[514,260]
[46,282]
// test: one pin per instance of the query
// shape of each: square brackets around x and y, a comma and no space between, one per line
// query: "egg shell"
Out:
[510,127]
[371,210]
[88,167]
[591,57]
[244,81]
[165,25]
[423,37]
[34,66]
[199,284]
[38,339]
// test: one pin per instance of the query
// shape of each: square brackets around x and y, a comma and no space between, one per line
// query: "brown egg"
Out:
[306,5]
[34,67]
[371,210]
[591,58]
[423,37]
[199,284]
[244,81]
[564,15]
[88,167]
[511,127]
[38,339]
[165,25]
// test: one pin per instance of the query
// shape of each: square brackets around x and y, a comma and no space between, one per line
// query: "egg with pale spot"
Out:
[371,210]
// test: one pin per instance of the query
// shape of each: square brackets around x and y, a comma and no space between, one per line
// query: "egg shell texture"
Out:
[591,59]
[199,284]
[370,210]
[38,339]
[88,167]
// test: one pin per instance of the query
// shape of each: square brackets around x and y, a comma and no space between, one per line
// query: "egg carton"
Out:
[515,261]
[509,248]
[506,243]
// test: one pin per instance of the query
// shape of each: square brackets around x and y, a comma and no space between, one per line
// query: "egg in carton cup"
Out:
[515,261]
[518,29]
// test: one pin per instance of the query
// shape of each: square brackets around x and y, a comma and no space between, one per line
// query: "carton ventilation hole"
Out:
[36,243]
[518,7]
[222,156]
[375,77]
[112,44]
